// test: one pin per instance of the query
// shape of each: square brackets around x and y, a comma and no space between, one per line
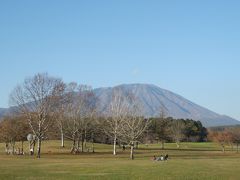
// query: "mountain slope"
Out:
[3,112]
[153,98]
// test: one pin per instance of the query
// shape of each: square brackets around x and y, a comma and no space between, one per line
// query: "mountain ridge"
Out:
[154,98]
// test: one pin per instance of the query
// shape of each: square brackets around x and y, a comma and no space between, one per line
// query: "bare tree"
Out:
[176,131]
[219,137]
[90,125]
[36,99]
[13,129]
[87,114]
[162,127]
[71,116]
[60,123]
[229,136]
[117,112]
[64,100]
[133,125]
[124,121]
[236,137]
[22,130]
[8,134]
[78,113]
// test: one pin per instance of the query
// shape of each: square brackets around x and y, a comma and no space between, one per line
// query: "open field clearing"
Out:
[192,161]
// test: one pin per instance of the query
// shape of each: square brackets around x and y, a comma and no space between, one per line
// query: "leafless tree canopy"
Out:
[124,120]
[79,113]
[37,99]
[176,131]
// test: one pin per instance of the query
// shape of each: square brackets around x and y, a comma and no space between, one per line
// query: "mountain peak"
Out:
[138,85]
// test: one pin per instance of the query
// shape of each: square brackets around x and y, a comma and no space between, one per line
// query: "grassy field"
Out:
[192,161]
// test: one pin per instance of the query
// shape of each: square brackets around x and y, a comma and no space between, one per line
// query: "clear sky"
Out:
[189,47]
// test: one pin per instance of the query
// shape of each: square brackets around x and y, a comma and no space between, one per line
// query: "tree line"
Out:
[176,130]
[104,130]
[46,103]
[225,136]
[48,108]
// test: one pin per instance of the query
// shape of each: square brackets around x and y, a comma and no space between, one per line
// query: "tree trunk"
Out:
[114,145]
[39,148]
[78,145]
[132,151]
[178,144]
[92,136]
[93,150]
[22,148]
[223,149]
[62,139]
[7,148]
[34,143]
[82,147]
[162,144]
[13,148]
[137,145]
[73,145]
[85,139]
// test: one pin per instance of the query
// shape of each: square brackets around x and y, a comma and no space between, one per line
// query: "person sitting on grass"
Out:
[166,157]
[160,158]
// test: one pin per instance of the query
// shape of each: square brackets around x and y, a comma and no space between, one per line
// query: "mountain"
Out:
[3,112]
[154,98]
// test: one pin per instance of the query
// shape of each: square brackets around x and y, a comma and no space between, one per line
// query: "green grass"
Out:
[192,161]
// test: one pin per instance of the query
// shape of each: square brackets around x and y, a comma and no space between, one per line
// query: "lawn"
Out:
[192,161]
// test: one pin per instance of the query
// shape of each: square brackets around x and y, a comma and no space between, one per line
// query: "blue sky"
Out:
[189,47]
